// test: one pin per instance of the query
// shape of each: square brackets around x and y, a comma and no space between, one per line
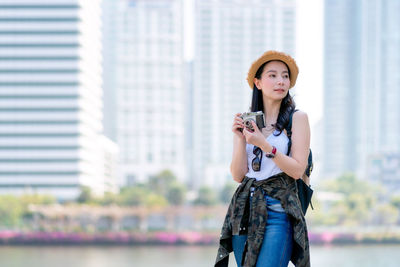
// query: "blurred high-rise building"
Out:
[342,85]
[229,35]
[189,101]
[50,98]
[144,86]
[362,86]
[379,145]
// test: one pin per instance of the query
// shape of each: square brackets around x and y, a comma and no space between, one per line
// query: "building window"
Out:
[130,179]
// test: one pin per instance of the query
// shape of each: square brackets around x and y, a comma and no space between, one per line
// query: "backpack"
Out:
[304,190]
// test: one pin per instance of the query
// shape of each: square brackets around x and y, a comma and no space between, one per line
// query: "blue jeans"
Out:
[276,248]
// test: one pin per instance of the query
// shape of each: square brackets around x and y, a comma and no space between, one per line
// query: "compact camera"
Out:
[257,117]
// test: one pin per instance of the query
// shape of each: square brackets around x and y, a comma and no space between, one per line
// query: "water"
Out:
[190,256]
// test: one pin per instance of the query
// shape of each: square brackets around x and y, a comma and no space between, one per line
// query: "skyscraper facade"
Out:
[362,85]
[50,97]
[342,86]
[229,35]
[143,43]
[380,112]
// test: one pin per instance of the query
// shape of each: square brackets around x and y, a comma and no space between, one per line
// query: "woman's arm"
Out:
[239,159]
[239,155]
[295,165]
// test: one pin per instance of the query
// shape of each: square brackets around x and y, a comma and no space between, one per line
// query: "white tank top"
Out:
[268,166]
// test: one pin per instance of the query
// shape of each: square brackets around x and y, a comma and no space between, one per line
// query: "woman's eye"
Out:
[272,75]
[286,76]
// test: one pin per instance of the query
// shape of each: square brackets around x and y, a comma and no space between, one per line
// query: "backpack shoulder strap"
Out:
[288,129]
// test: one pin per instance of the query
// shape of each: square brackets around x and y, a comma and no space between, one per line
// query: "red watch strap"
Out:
[272,153]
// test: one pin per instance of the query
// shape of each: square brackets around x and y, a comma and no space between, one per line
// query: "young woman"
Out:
[264,225]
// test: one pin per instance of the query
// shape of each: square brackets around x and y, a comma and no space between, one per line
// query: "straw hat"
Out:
[273,55]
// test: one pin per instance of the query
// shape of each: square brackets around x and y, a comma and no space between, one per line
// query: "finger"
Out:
[238,120]
[254,125]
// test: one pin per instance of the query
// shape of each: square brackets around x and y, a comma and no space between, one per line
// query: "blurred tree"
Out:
[206,196]
[176,194]
[155,200]
[161,182]
[358,202]
[395,201]
[133,195]
[37,199]
[322,214]
[386,214]
[358,208]
[166,185]
[11,211]
[227,191]
[108,198]
[85,196]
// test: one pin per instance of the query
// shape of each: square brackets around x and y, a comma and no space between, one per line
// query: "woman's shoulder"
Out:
[300,116]
[300,122]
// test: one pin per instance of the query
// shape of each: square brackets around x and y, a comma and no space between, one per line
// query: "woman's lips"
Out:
[279,90]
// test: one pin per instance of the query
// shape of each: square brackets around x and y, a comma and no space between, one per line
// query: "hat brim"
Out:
[269,56]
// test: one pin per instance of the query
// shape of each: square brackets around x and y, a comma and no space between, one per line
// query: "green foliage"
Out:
[133,196]
[176,194]
[319,216]
[160,190]
[108,198]
[166,185]
[355,207]
[386,214]
[206,196]
[37,199]
[227,191]
[154,200]
[85,196]
[395,201]
[11,210]
[161,182]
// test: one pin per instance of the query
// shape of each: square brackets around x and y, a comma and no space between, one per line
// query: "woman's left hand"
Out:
[255,138]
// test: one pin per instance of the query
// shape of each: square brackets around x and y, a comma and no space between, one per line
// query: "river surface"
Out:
[190,256]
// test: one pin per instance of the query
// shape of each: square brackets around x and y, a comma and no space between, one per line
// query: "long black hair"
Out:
[287,105]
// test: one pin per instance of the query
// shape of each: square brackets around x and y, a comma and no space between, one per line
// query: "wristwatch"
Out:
[271,154]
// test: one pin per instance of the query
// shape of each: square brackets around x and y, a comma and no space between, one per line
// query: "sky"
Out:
[309,54]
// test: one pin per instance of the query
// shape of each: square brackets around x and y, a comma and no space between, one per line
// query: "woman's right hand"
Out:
[238,126]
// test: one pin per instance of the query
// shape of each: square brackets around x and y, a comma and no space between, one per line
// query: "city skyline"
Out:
[309,54]
[189,131]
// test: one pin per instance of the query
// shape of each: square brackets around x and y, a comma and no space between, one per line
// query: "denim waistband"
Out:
[272,203]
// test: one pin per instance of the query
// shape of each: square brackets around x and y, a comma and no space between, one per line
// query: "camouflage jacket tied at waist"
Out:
[240,219]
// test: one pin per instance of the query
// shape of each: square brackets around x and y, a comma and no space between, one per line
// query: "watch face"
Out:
[270,155]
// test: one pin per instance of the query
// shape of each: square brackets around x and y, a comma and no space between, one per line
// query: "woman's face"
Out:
[274,82]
